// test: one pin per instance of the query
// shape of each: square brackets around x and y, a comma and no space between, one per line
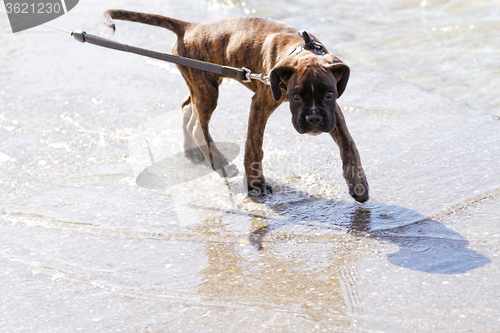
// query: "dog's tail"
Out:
[177,26]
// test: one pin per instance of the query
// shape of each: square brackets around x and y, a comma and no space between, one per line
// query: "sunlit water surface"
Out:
[105,225]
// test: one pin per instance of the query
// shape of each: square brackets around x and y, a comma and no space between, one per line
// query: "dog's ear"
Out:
[340,70]
[279,76]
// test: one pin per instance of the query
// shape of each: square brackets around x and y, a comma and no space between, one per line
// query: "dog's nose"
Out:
[314,119]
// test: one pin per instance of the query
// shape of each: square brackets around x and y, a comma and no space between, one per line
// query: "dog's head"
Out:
[313,83]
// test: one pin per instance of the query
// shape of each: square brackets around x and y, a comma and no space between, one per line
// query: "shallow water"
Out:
[99,233]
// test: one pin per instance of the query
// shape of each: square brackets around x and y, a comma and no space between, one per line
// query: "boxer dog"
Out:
[300,69]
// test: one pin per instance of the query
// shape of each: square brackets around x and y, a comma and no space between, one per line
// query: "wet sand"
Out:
[91,240]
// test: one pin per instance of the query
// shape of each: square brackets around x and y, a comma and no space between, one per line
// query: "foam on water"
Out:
[91,204]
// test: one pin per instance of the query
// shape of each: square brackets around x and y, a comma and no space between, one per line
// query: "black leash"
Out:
[242,74]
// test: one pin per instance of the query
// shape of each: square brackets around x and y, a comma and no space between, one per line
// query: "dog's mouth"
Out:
[311,130]
[322,123]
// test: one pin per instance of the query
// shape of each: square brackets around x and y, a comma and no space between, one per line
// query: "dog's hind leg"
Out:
[191,150]
[203,103]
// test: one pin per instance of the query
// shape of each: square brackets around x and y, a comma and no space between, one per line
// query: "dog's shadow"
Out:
[177,169]
[425,244]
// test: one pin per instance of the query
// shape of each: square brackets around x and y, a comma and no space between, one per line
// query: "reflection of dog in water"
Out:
[300,70]
[425,244]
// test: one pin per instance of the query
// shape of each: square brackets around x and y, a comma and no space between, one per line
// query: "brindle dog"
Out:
[308,77]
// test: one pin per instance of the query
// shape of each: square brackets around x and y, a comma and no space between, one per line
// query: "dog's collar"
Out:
[309,44]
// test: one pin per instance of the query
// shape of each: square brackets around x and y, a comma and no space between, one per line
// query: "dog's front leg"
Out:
[353,171]
[263,105]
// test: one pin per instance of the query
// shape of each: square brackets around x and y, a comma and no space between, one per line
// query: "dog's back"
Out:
[237,42]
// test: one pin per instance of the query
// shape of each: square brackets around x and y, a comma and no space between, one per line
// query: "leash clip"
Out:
[252,76]
[79,35]
[310,44]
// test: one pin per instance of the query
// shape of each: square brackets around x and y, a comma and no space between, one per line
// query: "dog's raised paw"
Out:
[359,192]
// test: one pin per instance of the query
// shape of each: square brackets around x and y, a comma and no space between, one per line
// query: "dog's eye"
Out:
[329,95]
[296,97]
